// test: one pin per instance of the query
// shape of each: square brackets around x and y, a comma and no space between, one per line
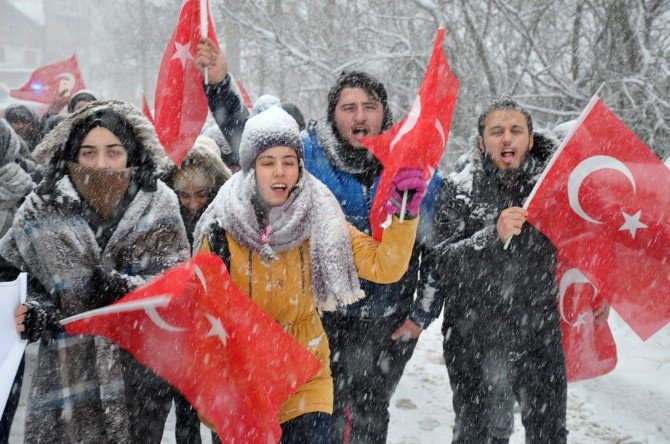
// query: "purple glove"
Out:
[413,181]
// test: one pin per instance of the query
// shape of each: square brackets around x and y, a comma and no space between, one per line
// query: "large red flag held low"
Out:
[419,140]
[604,201]
[590,350]
[197,330]
[47,80]
[181,107]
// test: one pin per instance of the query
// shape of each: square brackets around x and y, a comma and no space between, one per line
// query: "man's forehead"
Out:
[356,95]
[506,117]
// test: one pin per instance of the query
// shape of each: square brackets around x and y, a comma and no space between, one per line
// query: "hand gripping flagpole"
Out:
[203,31]
[565,141]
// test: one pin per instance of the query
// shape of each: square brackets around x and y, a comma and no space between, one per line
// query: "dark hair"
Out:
[359,79]
[294,112]
[81,96]
[504,102]
[21,113]
[108,120]
[52,122]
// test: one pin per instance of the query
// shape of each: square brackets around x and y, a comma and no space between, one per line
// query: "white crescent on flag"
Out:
[440,130]
[570,277]
[149,306]
[406,127]
[65,76]
[583,170]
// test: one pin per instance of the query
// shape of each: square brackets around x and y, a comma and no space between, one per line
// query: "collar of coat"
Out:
[154,161]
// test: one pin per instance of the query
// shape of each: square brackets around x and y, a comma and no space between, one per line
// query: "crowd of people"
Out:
[91,208]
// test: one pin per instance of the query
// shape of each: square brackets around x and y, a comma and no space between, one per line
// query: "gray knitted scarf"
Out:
[311,212]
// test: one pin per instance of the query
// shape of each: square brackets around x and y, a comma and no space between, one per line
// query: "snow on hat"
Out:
[269,126]
[197,174]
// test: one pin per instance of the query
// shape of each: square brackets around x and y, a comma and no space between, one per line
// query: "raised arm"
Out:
[384,262]
[224,98]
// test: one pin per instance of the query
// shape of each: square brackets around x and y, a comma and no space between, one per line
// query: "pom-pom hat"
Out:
[269,126]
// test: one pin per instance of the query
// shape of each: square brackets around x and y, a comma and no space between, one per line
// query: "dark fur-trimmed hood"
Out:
[50,152]
[205,157]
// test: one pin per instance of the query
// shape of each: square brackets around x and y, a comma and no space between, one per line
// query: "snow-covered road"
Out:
[629,405]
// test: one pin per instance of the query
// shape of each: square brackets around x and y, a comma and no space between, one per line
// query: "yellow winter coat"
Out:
[283,289]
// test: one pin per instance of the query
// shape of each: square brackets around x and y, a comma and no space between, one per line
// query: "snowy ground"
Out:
[629,405]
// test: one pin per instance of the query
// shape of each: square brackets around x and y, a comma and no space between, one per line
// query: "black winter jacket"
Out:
[494,299]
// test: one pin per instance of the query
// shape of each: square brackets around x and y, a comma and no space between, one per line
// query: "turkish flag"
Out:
[180,106]
[604,201]
[419,140]
[197,330]
[45,82]
[590,350]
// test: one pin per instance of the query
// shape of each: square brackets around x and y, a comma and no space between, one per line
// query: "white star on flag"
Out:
[580,320]
[182,53]
[217,329]
[632,223]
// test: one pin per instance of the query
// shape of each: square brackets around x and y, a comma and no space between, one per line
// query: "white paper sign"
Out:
[12,294]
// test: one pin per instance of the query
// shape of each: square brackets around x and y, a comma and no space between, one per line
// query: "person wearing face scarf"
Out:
[98,225]
[288,245]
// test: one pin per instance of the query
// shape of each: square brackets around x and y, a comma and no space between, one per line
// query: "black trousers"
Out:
[366,365]
[537,378]
[148,398]
[187,427]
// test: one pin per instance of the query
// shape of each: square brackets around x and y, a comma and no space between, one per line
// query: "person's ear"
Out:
[480,143]
[532,142]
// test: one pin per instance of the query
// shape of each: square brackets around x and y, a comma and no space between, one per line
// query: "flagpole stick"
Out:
[203,32]
[559,149]
[509,241]
[403,208]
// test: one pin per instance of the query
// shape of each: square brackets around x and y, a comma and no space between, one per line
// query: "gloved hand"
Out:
[37,322]
[413,181]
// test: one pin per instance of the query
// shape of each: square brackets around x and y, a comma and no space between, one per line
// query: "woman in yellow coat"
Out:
[287,244]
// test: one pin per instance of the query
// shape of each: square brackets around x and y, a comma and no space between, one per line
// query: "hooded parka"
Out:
[79,261]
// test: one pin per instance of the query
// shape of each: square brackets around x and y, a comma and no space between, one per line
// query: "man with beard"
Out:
[372,339]
[501,320]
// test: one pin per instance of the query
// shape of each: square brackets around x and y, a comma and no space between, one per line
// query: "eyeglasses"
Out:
[202,194]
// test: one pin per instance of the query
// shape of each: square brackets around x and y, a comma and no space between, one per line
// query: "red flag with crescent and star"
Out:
[180,106]
[589,346]
[419,140]
[197,330]
[604,201]
[45,82]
